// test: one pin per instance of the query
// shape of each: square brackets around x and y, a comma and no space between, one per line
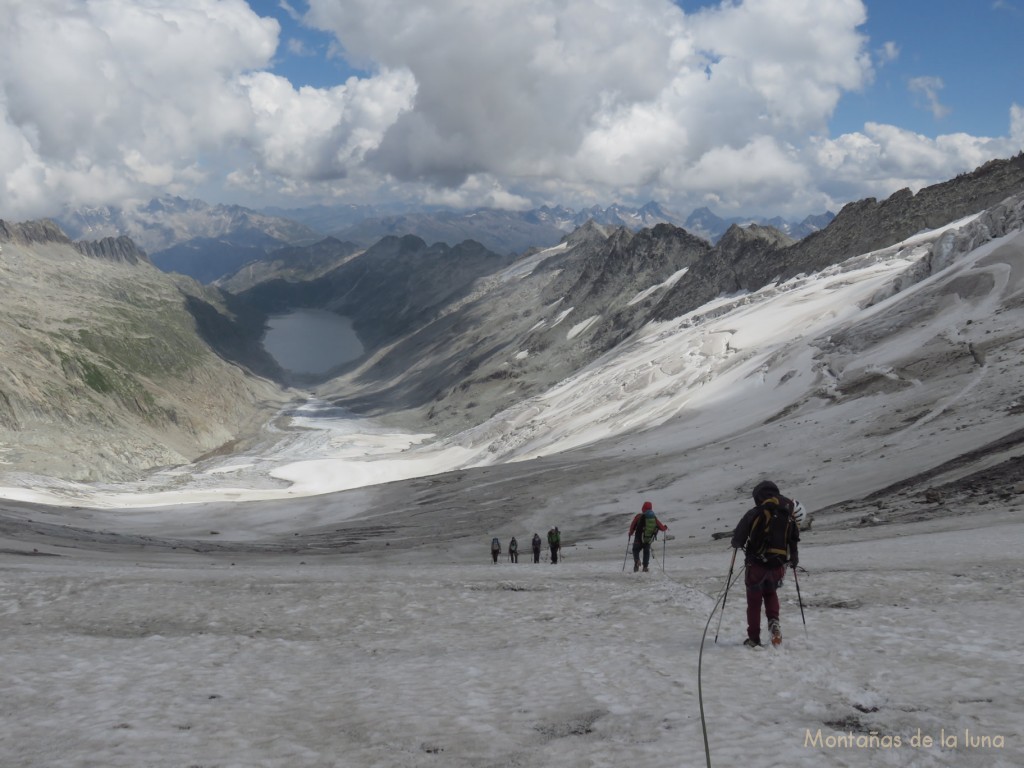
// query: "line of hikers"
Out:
[554,544]
[768,534]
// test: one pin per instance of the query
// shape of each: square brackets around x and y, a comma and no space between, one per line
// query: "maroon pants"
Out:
[762,585]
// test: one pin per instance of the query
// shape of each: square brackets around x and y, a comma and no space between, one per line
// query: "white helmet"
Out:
[799,513]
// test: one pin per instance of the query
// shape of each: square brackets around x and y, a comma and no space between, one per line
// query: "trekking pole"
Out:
[800,600]
[626,556]
[725,596]
[663,554]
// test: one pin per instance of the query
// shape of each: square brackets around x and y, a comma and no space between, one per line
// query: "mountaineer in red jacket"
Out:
[645,527]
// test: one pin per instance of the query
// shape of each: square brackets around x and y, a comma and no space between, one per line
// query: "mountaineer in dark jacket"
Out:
[769,535]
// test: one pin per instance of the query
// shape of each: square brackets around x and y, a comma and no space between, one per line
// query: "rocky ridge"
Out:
[859,227]
[121,249]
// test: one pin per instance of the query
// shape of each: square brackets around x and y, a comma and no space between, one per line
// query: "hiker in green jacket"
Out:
[554,543]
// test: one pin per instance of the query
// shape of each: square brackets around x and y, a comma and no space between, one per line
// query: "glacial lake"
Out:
[311,341]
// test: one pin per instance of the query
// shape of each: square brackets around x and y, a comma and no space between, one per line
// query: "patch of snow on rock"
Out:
[672,280]
[579,328]
[562,315]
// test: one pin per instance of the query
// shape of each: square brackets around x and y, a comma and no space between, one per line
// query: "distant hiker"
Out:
[768,534]
[644,529]
[495,549]
[513,550]
[536,547]
[554,543]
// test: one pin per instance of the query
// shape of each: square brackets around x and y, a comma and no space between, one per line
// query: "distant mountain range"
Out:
[209,242]
[168,221]
[704,223]
[190,237]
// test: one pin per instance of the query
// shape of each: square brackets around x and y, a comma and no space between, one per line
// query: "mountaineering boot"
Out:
[776,630]
[645,569]
[636,566]
[751,643]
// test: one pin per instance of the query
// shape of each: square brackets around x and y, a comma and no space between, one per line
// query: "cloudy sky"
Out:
[750,106]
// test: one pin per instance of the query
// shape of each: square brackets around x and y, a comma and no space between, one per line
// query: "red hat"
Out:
[647,507]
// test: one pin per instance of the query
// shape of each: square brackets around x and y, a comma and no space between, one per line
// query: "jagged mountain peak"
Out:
[590,231]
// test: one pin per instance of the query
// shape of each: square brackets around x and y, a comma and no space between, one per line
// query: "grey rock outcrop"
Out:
[725,269]
[28,232]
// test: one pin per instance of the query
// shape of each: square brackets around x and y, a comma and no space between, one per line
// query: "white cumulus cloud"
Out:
[505,102]
[608,97]
[110,97]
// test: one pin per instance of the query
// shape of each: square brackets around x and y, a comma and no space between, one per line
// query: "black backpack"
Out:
[513,546]
[769,534]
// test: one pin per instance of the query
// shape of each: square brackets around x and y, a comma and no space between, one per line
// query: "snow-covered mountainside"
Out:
[906,329]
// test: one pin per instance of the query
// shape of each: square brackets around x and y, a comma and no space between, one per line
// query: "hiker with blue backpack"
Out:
[644,529]
[495,549]
[768,534]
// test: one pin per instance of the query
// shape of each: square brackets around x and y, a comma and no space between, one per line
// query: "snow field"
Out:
[580,664]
